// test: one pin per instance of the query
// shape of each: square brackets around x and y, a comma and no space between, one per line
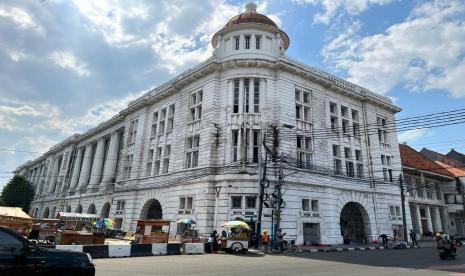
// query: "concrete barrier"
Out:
[193,248]
[123,250]
[173,249]
[74,248]
[140,250]
[96,251]
[159,249]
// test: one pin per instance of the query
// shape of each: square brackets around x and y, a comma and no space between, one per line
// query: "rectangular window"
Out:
[358,155]
[235,145]
[128,166]
[185,205]
[236,202]
[237,42]
[359,170]
[304,152]
[333,108]
[256,96]
[192,151]
[356,129]
[166,159]
[161,128]
[337,166]
[305,204]
[247,95]
[315,205]
[258,42]
[438,191]
[132,132]
[345,126]
[334,124]
[250,202]
[336,152]
[148,171]
[195,106]
[347,153]
[182,203]
[349,169]
[429,192]
[154,124]
[236,97]
[344,111]
[256,146]
[355,115]
[170,125]
[247,42]
[419,187]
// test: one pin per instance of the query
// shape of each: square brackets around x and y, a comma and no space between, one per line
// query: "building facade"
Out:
[193,147]
[426,184]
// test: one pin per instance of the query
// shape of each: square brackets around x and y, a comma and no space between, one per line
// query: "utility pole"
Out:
[263,181]
[402,199]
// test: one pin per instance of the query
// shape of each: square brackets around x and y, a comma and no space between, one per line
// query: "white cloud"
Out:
[21,18]
[412,135]
[39,144]
[424,52]
[67,60]
[333,7]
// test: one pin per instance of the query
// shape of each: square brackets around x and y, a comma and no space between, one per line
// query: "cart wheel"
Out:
[50,240]
[237,247]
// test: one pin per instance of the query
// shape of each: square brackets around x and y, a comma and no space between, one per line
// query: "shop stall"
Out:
[44,230]
[152,231]
[75,228]
[16,219]
[237,237]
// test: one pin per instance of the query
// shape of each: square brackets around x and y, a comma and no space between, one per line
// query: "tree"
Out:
[17,193]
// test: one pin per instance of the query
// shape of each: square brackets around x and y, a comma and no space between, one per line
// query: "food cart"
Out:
[44,230]
[185,232]
[75,228]
[152,231]
[237,240]
[16,219]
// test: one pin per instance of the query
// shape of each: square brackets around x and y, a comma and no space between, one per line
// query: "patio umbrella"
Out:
[236,224]
[186,221]
[104,222]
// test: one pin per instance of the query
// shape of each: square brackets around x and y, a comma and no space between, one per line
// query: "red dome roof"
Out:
[251,17]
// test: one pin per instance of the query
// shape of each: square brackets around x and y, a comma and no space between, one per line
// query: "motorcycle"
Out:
[446,252]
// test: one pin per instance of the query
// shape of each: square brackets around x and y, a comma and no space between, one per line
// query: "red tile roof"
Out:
[453,170]
[413,159]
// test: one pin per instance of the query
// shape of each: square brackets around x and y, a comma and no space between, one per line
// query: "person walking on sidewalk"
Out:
[413,237]
[384,238]
[265,240]
[280,236]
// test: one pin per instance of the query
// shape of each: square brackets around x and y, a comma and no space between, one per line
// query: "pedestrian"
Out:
[281,235]
[413,237]
[384,239]
[265,240]
[214,241]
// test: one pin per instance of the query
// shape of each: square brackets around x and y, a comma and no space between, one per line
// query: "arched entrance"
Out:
[68,209]
[46,213]
[105,213]
[91,209]
[355,223]
[79,209]
[152,210]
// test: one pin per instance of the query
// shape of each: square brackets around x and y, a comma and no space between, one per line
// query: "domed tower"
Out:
[250,35]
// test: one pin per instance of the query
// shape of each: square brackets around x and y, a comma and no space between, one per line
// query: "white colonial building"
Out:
[192,147]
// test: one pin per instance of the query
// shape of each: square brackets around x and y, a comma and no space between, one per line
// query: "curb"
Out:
[367,248]
[132,250]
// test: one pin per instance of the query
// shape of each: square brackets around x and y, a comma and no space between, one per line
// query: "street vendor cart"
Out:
[76,228]
[44,230]
[186,232]
[237,239]
[16,219]
[152,231]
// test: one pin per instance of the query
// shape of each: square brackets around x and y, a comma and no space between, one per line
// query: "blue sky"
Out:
[66,66]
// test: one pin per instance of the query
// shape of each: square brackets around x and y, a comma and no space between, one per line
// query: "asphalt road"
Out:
[422,261]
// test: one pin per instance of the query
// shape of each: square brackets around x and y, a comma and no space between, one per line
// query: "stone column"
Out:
[34,177]
[438,219]
[48,179]
[446,225]
[85,170]
[54,178]
[428,217]
[109,172]
[420,227]
[77,165]
[96,173]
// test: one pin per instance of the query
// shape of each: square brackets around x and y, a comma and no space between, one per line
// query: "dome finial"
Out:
[251,7]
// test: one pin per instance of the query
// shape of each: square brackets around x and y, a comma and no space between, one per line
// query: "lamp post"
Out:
[217,196]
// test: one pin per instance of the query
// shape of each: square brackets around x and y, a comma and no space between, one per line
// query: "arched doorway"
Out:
[91,209]
[79,209]
[46,213]
[105,213]
[354,223]
[68,209]
[152,210]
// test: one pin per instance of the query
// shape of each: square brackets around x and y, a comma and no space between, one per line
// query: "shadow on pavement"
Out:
[415,258]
